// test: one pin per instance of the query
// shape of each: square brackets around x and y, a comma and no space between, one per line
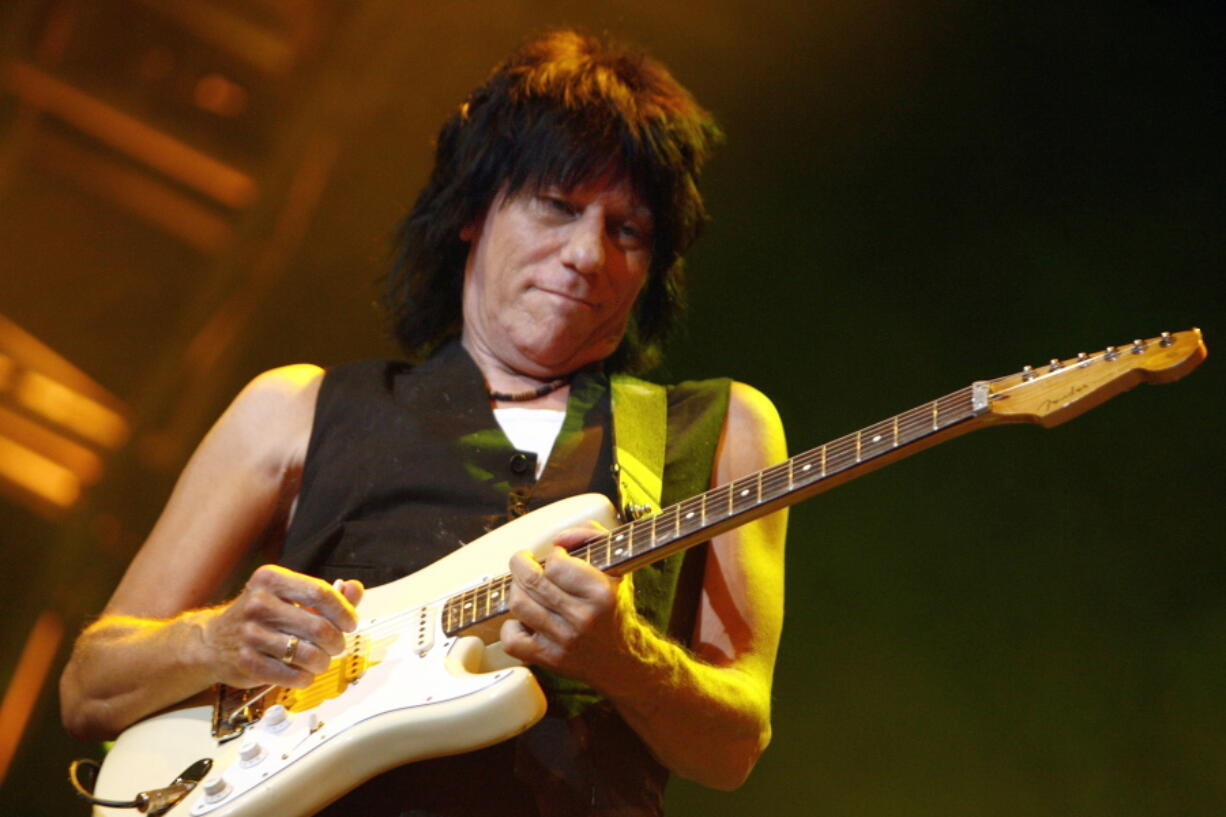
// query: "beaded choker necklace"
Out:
[531,394]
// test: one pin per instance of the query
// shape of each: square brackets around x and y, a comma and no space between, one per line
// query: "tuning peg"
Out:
[1027,373]
[1055,364]
[1138,346]
[1167,340]
[1111,354]
[1083,359]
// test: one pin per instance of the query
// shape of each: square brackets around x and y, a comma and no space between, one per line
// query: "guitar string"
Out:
[770,484]
[771,481]
[904,429]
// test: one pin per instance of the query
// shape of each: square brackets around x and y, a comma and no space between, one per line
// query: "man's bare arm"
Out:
[704,712]
[155,645]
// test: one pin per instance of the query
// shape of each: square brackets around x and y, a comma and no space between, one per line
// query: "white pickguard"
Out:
[428,695]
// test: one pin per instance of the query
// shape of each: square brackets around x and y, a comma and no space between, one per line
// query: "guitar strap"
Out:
[640,425]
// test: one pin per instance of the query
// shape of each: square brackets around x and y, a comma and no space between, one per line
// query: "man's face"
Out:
[551,276]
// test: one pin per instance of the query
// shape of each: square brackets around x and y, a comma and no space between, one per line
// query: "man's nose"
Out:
[584,249]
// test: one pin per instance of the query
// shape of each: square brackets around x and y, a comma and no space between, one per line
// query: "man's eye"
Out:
[632,233]
[560,206]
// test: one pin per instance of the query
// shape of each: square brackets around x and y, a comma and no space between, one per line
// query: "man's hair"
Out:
[564,110]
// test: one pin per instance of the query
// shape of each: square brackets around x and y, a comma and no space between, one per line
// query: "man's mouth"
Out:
[568,297]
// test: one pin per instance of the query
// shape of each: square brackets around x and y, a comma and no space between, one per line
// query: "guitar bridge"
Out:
[232,712]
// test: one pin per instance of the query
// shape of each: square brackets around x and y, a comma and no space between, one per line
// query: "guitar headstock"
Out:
[1062,389]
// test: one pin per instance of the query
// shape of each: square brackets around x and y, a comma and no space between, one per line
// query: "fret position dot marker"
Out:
[877,438]
[745,492]
[806,468]
[689,515]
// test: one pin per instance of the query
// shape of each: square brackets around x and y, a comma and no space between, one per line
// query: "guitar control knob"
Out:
[250,753]
[215,788]
[276,718]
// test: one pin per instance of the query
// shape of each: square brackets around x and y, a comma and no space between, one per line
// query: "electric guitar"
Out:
[423,676]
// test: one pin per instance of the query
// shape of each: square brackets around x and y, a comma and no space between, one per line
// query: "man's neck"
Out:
[502,380]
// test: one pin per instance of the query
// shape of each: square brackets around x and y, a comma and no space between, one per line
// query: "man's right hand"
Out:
[284,628]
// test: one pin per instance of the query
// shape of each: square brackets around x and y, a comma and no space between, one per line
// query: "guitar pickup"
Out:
[355,662]
[423,629]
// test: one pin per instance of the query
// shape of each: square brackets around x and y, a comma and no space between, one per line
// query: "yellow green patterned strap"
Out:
[640,424]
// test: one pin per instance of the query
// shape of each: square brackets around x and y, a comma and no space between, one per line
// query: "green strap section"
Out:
[640,423]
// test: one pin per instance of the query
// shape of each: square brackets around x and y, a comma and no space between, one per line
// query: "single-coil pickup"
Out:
[423,632]
[354,662]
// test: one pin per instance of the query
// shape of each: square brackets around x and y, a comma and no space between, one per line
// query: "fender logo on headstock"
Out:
[1059,402]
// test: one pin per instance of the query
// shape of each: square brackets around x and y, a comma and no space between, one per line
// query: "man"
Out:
[548,243]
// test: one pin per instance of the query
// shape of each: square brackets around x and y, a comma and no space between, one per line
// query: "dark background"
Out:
[912,196]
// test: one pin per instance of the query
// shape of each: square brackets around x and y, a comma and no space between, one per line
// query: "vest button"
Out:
[517,503]
[520,463]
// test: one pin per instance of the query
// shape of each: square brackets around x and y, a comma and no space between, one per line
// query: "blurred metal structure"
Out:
[160,161]
[200,132]
[56,425]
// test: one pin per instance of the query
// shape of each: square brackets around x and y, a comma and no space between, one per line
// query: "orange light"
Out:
[37,474]
[8,368]
[28,679]
[219,95]
[71,409]
[130,135]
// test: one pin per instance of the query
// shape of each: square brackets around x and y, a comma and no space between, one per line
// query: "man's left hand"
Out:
[566,615]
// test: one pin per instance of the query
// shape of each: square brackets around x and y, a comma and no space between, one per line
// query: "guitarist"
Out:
[543,254]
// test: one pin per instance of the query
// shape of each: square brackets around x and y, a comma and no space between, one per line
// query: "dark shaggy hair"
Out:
[563,110]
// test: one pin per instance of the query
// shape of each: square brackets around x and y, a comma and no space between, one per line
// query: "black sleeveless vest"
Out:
[406,464]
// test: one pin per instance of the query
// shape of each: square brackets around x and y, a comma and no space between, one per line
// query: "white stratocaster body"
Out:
[421,694]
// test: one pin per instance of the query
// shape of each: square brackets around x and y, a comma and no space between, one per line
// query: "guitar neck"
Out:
[708,514]
[1047,395]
